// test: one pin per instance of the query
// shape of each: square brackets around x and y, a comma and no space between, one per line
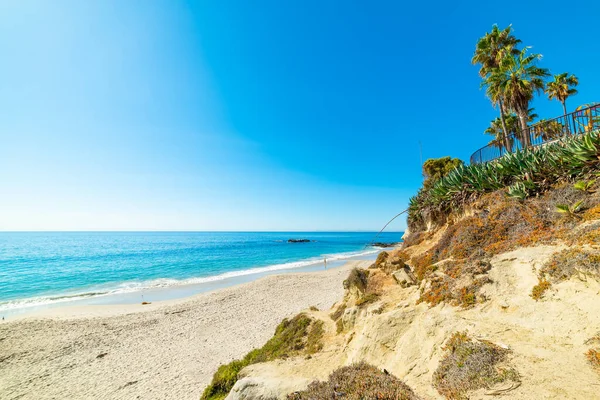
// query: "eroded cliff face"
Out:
[388,323]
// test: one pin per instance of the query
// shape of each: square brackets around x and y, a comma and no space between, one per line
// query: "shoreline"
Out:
[167,350]
[172,294]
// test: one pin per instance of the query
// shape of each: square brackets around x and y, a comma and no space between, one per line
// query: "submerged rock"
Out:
[298,240]
[383,244]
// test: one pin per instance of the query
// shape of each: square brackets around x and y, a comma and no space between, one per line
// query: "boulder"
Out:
[404,277]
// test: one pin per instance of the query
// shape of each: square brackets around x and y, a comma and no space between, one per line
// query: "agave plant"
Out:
[585,186]
[569,210]
[523,173]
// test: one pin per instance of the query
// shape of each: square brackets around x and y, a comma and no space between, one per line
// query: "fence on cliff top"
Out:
[542,132]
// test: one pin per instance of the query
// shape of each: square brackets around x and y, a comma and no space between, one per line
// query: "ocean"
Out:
[39,269]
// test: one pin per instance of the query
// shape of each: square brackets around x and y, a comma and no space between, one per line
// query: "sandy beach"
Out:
[166,350]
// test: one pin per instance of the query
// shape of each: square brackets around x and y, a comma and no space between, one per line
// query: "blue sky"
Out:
[262,115]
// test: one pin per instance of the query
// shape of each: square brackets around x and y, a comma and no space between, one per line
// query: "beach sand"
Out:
[166,350]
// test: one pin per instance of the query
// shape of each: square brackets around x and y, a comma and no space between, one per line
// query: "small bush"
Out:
[470,365]
[357,382]
[422,264]
[358,278]
[313,308]
[299,335]
[538,290]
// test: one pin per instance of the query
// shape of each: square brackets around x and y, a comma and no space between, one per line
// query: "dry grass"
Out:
[357,382]
[538,290]
[470,365]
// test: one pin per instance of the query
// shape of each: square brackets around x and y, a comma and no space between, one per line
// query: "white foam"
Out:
[129,287]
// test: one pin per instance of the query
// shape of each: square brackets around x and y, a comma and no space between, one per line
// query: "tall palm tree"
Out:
[518,78]
[488,52]
[561,88]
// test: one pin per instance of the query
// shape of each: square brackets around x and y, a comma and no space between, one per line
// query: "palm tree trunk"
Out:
[564,103]
[524,129]
[507,145]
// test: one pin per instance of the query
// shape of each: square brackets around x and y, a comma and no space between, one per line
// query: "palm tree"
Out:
[490,49]
[518,78]
[511,122]
[561,88]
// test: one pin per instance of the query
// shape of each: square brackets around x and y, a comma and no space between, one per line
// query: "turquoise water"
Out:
[60,267]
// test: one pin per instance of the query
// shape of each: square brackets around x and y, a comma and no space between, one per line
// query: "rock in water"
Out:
[298,240]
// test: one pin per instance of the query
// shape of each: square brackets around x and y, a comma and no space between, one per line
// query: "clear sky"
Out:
[250,115]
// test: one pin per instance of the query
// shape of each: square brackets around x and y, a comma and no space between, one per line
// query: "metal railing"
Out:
[542,132]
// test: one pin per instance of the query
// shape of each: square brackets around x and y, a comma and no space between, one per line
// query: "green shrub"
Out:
[470,365]
[299,335]
[357,382]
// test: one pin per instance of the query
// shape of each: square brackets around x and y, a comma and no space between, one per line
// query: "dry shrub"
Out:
[381,258]
[566,263]
[592,213]
[438,292]
[422,265]
[538,290]
[358,279]
[501,224]
[357,382]
[588,234]
[457,282]
[402,255]
[593,356]
[470,365]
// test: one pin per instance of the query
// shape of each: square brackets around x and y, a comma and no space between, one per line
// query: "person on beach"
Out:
[325,262]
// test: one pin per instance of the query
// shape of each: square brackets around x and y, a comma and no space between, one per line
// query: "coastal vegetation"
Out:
[299,335]
[356,382]
[464,223]
[520,175]
[469,365]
